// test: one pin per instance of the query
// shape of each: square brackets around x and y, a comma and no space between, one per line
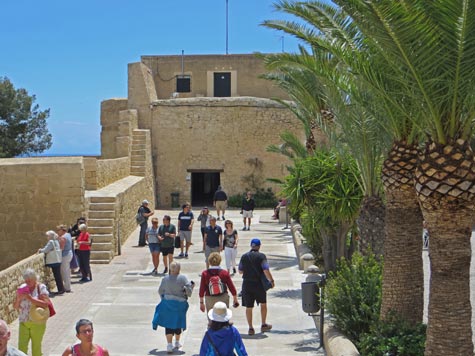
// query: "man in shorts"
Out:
[247,208]
[213,239]
[220,202]
[185,227]
[166,234]
[252,265]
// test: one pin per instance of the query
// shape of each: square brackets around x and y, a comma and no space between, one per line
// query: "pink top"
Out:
[77,352]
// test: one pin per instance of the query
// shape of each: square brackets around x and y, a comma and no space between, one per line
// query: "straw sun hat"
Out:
[38,314]
[220,313]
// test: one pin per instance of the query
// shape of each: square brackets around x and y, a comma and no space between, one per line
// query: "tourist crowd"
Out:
[67,251]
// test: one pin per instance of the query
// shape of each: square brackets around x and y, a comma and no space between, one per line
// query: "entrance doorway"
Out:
[203,187]
[222,84]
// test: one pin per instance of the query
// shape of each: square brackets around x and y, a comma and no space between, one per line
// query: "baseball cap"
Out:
[255,242]
[145,201]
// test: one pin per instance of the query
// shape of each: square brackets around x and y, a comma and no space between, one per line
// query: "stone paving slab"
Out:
[122,297]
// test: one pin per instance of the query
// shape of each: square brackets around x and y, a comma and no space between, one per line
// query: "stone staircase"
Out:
[101,228]
[138,153]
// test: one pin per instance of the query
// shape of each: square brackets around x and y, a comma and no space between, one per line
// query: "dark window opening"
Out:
[183,84]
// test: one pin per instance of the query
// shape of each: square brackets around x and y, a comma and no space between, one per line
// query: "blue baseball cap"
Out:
[255,242]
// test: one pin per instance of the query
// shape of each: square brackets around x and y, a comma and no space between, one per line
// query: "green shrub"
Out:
[313,238]
[393,337]
[353,294]
[264,198]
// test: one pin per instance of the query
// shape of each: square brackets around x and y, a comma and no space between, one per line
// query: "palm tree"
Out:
[428,49]
[327,29]
[314,81]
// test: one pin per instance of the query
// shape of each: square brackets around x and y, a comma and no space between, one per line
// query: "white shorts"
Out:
[247,214]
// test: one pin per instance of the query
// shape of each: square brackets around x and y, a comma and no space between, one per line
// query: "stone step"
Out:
[102,199]
[137,169]
[99,262]
[94,222]
[101,246]
[138,147]
[100,229]
[138,141]
[101,238]
[102,206]
[101,214]
[101,256]
[137,161]
[136,151]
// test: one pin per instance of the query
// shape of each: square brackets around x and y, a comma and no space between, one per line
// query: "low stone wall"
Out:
[111,170]
[12,277]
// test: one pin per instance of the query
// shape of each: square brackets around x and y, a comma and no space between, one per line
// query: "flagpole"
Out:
[227,27]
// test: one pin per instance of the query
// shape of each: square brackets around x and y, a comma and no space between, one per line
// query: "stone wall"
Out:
[245,70]
[217,134]
[110,110]
[37,195]
[112,170]
[12,277]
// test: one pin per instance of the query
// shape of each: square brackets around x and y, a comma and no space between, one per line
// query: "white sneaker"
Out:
[177,345]
[169,349]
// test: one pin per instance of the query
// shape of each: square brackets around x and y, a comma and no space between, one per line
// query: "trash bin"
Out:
[175,199]
[310,297]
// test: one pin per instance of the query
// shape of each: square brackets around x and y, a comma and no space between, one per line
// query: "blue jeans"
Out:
[143,230]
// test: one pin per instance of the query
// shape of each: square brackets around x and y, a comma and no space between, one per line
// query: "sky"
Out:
[73,54]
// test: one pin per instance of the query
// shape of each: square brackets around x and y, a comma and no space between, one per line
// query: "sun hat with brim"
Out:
[220,313]
[38,314]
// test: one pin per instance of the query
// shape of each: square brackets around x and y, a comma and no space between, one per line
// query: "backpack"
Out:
[139,217]
[216,285]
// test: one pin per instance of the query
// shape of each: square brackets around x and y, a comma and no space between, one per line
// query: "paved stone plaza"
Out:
[122,297]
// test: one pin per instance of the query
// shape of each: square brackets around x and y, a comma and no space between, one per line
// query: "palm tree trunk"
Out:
[445,185]
[403,278]
[371,225]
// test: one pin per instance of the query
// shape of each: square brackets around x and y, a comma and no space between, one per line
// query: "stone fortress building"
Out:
[189,124]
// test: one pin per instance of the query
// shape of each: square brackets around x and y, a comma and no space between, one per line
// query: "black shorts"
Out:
[253,292]
[167,250]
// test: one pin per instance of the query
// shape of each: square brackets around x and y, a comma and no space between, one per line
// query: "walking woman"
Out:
[66,244]
[53,257]
[221,338]
[151,237]
[84,253]
[31,293]
[230,242]
[86,347]
[210,293]
[170,313]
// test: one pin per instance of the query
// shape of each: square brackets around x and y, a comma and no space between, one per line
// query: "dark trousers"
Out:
[83,259]
[143,230]
[56,267]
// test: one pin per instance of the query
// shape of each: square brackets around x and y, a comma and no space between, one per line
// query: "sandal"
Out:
[266,327]
[251,331]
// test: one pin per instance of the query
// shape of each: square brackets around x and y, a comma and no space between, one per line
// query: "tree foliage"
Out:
[23,128]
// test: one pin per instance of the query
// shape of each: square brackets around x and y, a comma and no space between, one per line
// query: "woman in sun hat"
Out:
[221,338]
[32,324]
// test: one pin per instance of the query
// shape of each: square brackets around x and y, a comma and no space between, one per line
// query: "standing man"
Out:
[247,208]
[185,227]
[220,201]
[6,350]
[213,239]
[252,265]
[142,218]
